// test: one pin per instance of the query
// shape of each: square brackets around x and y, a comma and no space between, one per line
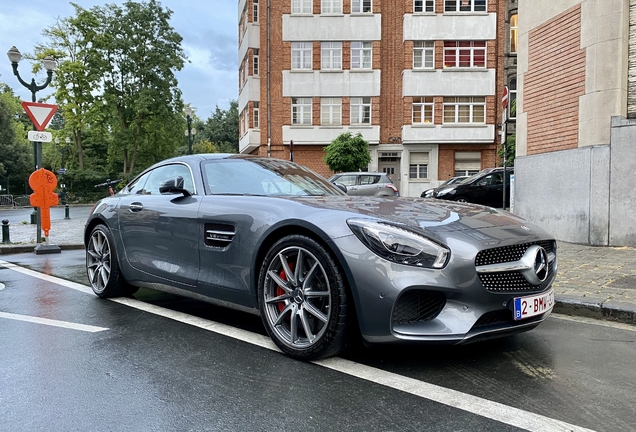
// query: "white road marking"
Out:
[479,406]
[54,323]
[594,321]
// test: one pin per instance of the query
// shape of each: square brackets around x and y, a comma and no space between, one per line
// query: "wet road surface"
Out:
[161,362]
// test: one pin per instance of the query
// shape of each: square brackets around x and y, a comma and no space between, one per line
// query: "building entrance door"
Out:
[392,168]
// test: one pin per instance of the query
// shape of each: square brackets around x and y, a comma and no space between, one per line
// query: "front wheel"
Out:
[303,299]
[102,266]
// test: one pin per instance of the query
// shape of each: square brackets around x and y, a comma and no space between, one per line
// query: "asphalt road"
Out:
[165,363]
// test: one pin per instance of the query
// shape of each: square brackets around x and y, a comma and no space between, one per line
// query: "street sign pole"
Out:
[504,119]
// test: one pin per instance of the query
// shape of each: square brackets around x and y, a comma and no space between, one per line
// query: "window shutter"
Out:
[419,158]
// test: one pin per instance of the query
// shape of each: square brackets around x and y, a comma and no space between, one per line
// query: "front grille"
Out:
[418,306]
[494,317]
[509,253]
[218,235]
[511,281]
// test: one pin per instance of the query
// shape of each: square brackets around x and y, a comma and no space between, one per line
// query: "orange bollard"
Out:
[43,183]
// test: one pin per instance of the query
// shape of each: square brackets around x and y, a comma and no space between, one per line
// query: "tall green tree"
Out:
[221,128]
[76,80]
[16,157]
[511,150]
[138,53]
[347,153]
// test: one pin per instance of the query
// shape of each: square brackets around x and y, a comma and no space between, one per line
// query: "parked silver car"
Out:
[273,238]
[366,184]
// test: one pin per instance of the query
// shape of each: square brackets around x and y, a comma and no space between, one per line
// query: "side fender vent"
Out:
[219,235]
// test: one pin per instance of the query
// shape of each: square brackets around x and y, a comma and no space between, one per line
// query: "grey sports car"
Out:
[321,268]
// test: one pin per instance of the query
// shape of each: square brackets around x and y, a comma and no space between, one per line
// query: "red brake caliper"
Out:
[279,290]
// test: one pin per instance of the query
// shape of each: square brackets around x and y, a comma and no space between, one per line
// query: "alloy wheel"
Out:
[297,297]
[98,260]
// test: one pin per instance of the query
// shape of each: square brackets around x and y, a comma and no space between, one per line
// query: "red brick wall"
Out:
[391,64]
[554,82]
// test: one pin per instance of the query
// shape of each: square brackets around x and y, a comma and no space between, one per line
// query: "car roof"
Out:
[359,173]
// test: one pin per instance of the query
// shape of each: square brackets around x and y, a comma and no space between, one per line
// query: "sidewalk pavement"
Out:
[592,281]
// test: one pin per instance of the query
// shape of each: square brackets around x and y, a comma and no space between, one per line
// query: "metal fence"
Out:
[11,201]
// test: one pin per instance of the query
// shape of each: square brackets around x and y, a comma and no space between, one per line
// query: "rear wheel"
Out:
[102,266]
[303,300]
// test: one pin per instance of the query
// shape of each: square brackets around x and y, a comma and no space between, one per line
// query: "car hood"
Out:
[428,214]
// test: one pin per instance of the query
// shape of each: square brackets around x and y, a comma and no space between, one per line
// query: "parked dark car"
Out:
[485,187]
[428,193]
[271,237]
[366,184]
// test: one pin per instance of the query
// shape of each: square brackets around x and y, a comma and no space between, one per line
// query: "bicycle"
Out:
[109,183]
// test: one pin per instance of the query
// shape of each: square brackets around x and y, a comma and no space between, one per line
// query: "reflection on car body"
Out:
[273,238]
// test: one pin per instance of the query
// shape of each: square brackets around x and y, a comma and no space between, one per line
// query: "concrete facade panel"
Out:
[331,84]
[449,83]
[542,201]
[336,28]
[251,91]
[450,27]
[448,134]
[622,193]
[599,195]
[324,135]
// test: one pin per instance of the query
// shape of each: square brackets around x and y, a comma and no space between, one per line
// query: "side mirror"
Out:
[482,183]
[173,186]
[341,187]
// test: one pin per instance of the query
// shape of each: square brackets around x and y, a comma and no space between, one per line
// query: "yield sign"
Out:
[39,113]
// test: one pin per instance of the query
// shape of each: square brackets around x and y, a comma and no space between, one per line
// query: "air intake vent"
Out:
[418,306]
[219,235]
[509,253]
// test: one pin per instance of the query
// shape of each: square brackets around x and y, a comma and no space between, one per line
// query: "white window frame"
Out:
[255,62]
[361,6]
[302,7]
[472,50]
[466,6]
[331,55]
[256,109]
[331,111]
[301,111]
[418,165]
[360,108]
[255,11]
[423,6]
[423,54]
[331,7]
[423,105]
[301,55]
[512,96]
[362,55]
[464,110]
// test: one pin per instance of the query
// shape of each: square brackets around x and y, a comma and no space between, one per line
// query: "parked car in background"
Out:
[428,193]
[485,187]
[271,237]
[366,184]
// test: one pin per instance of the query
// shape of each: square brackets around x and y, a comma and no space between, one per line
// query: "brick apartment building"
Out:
[419,79]
[576,119]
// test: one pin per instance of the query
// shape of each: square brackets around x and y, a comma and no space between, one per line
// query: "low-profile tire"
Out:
[102,266]
[460,200]
[305,308]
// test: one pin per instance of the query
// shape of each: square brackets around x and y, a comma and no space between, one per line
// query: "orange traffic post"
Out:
[43,182]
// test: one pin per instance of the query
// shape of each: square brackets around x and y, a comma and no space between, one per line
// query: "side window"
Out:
[347,180]
[369,179]
[166,172]
[136,187]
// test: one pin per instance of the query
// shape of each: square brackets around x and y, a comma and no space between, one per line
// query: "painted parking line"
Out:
[51,322]
[479,406]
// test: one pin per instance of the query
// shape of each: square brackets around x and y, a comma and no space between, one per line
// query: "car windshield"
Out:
[265,177]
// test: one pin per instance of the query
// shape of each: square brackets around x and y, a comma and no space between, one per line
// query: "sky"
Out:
[209,30]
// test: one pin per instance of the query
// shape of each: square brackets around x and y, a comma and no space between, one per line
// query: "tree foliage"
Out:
[222,129]
[511,148]
[347,153]
[15,151]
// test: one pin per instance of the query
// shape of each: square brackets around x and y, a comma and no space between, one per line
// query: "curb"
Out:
[608,310]
[5,250]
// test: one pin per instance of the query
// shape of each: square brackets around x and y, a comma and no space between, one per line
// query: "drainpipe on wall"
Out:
[269,103]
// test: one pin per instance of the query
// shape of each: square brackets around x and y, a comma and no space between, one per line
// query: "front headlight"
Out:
[445,191]
[399,245]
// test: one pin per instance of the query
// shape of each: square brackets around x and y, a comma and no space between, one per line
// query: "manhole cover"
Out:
[626,282]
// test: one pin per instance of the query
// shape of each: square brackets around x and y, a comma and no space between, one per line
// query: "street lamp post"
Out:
[49,64]
[189,132]
[63,151]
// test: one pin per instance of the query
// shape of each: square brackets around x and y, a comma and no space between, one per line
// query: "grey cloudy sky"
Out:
[208,27]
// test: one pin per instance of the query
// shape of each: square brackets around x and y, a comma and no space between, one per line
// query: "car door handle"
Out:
[135,207]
